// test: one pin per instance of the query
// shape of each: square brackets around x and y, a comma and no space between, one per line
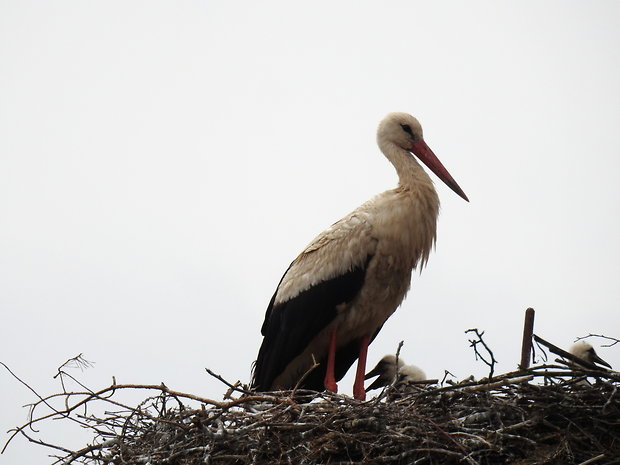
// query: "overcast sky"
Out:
[162,163]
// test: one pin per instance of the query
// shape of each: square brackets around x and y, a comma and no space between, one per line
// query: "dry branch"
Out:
[543,415]
[474,343]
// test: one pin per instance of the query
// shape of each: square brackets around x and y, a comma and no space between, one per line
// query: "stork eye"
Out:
[407,129]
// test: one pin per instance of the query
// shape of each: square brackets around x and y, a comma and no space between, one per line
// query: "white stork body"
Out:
[411,374]
[340,290]
[368,231]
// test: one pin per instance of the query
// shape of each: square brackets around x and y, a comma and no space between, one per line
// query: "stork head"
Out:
[385,371]
[586,352]
[386,367]
[401,129]
[405,132]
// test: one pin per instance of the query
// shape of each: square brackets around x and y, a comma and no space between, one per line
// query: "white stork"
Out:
[585,351]
[386,371]
[337,294]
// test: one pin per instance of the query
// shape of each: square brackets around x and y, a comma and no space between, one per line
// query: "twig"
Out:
[234,387]
[474,344]
[613,340]
[446,373]
[593,459]
[314,366]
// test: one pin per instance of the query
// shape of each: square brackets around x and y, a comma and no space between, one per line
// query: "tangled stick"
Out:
[545,414]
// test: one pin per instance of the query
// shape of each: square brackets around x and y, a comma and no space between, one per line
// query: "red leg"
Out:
[358,387]
[330,379]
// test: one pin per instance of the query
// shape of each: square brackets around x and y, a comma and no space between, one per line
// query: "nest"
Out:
[549,414]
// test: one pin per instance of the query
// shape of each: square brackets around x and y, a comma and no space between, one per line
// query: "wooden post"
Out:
[526,346]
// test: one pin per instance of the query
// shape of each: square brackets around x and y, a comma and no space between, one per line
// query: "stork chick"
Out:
[386,372]
[585,351]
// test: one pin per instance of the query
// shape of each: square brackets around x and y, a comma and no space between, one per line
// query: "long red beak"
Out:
[426,156]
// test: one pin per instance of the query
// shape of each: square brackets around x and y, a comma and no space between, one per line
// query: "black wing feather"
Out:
[290,326]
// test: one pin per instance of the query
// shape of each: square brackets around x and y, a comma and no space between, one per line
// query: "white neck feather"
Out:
[410,172]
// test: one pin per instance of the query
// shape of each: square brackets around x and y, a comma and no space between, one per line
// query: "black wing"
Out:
[290,326]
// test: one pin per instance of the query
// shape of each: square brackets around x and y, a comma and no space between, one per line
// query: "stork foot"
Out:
[331,386]
[358,392]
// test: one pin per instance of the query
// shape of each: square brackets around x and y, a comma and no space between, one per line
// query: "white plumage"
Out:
[387,371]
[585,351]
[411,374]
